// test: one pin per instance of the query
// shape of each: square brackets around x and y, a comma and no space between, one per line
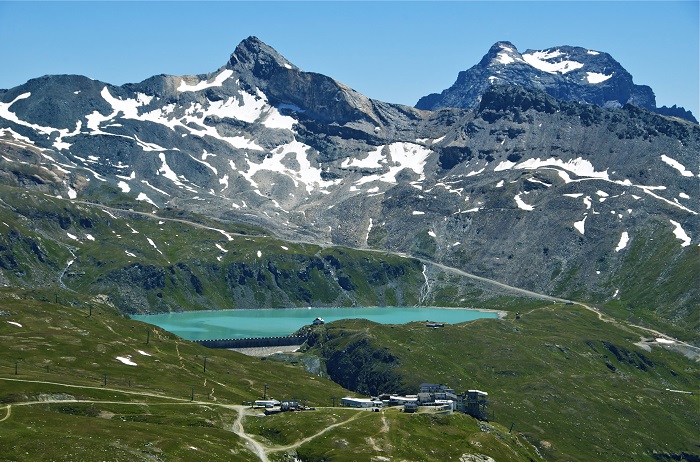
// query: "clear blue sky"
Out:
[393,51]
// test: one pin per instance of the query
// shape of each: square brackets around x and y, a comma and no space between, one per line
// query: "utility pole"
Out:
[333,398]
[205,364]
[265,392]
[192,395]
[104,383]
[16,365]
[148,335]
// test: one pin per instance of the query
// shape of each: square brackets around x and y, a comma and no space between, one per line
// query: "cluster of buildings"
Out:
[438,396]
[273,406]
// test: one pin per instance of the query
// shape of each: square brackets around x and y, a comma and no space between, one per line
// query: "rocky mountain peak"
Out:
[501,53]
[568,73]
[254,55]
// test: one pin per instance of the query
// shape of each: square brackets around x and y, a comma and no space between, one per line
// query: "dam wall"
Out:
[252,342]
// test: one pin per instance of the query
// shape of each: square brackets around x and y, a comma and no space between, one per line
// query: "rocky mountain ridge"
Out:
[558,197]
[566,73]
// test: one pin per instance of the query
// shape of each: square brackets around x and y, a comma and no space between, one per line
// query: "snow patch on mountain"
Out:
[677,165]
[624,239]
[281,161]
[142,197]
[203,85]
[580,225]
[521,204]
[680,233]
[374,159]
[578,166]
[547,61]
[400,156]
[595,77]
[58,143]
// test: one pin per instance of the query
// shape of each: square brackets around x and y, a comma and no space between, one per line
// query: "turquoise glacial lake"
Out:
[211,325]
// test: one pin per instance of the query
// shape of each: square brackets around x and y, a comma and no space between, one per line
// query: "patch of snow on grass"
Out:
[417,212]
[683,195]
[500,184]
[431,234]
[141,352]
[126,360]
[150,241]
[664,340]
[218,246]
[89,237]
[680,233]
[72,236]
[259,254]
[624,239]
[574,195]
[16,324]
[677,165]
[143,197]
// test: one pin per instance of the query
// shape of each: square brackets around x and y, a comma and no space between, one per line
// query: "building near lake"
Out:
[360,402]
[474,403]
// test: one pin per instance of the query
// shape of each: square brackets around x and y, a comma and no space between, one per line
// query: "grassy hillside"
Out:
[172,261]
[577,387]
[65,395]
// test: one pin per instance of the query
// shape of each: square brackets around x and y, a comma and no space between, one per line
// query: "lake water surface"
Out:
[211,325]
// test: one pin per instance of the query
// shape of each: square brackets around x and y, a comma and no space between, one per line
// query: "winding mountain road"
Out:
[260,450]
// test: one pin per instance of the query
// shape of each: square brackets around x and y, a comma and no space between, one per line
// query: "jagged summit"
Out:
[565,72]
[255,55]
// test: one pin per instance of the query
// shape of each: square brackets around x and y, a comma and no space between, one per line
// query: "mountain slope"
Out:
[552,196]
[575,386]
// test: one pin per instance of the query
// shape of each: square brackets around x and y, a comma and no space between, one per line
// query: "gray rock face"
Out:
[525,187]
[566,73]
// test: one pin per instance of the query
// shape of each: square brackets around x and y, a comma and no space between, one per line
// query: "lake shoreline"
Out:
[281,322]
